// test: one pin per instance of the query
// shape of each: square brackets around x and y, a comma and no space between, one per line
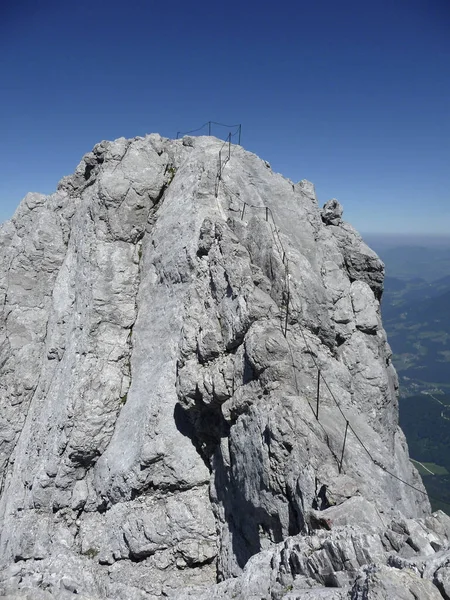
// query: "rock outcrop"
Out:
[163,321]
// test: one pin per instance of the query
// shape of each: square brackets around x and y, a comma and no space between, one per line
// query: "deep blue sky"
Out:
[353,95]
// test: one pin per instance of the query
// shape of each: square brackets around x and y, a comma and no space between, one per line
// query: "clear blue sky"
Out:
[353,95]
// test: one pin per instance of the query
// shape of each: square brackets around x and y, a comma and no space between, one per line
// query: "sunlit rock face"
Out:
[161,332]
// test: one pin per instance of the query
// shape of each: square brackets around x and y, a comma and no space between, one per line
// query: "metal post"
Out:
[239,141]
[243,210]
[284,256]
[287,313]
[343,447]
[318,394]
[209,127]
[229,145]
[267,213]
[178,134]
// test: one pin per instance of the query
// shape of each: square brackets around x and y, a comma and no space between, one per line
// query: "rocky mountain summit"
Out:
[169,317]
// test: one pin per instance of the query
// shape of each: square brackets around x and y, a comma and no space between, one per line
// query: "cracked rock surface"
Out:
[161,331]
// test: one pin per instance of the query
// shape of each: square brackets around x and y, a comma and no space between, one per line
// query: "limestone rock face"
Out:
[163,320]
[332,212]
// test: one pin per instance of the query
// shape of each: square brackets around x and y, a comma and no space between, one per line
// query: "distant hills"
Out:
[409,257]
[416,316]
[410,262]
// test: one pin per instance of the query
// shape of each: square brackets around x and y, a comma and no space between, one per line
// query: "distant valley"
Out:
[416,316]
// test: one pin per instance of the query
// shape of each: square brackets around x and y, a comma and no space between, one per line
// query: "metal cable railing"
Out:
[320,377]
[208,128]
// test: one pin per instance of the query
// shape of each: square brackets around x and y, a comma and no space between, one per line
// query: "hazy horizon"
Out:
[407,239]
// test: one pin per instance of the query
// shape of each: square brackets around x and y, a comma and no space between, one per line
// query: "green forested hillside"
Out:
[419,333]
[416,316]
[425,420]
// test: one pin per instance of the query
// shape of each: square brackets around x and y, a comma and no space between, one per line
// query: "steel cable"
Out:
[285,261]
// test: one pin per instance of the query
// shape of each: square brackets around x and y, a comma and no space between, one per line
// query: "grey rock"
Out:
[354,511]
[332,212]
[384,583]
[160,339]
[365,307]
[442,581]
[361,263]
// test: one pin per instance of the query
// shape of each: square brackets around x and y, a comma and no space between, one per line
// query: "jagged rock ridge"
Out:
[157,432]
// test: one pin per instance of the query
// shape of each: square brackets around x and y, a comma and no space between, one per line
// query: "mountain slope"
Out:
[164,318]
